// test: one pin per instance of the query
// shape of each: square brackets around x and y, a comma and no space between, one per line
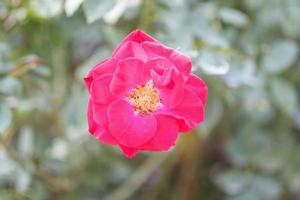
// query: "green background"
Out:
[246,50]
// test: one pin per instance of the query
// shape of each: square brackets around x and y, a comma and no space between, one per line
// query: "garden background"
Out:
[246,50]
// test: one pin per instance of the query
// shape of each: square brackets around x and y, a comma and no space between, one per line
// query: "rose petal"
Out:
[92,125]
[182,62]
[128,128]
[99,90]
[171,93]
[190,110]
[158,67]
[136,36]
[107,66]
[99,114]
[129,74]
[153,49]
[130,50]
[165,135]
[197,85]
[129,151]
[103,135]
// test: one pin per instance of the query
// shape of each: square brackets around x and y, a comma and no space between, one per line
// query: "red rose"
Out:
[143,95]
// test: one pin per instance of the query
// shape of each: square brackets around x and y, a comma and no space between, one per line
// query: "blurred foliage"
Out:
[247,51]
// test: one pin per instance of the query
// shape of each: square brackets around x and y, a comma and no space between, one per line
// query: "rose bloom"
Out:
[143,96]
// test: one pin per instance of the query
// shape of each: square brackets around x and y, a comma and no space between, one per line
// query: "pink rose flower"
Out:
[143,96]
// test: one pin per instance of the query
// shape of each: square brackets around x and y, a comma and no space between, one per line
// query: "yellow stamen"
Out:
[144,98]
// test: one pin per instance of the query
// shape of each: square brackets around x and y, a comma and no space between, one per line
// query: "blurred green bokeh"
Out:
[246,50]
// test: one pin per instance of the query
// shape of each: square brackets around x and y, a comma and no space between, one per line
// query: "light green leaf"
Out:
[212,62]
[23,180]
[245,185]
[234,17]
[233,182]
[59,149]
[25,142]
[95,9]
[5,117]
[213,114]
[246,147]
[284,96]
[46,8]
[297,120]
[10,85]
[71,6]
[281,55]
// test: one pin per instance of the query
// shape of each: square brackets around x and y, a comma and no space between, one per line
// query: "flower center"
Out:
[144,98]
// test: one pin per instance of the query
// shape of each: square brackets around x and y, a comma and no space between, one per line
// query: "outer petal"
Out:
[103,135]
[100,114]
[129,151]
[153,49]
[130,50]
[128,128]
[136,36]
[90,118]
[190,110]
[99,89]
[197,85]
[130,73]
[165,135]
[182,62]
[107,66]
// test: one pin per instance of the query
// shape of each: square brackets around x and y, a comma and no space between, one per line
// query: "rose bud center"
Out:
[144,98]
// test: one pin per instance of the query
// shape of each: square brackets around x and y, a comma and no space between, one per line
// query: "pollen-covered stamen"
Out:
[144,98]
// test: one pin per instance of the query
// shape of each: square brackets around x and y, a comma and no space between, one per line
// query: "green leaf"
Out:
[45,8]
[245,185]
[246,147]
[281,55]
[212,62]
[233,17]
[23,180]
[214,111]
[297,120]
[95,9]
[5,117]
[25,142]
[71,6]
[284,96]
[10,85]
[233,181]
